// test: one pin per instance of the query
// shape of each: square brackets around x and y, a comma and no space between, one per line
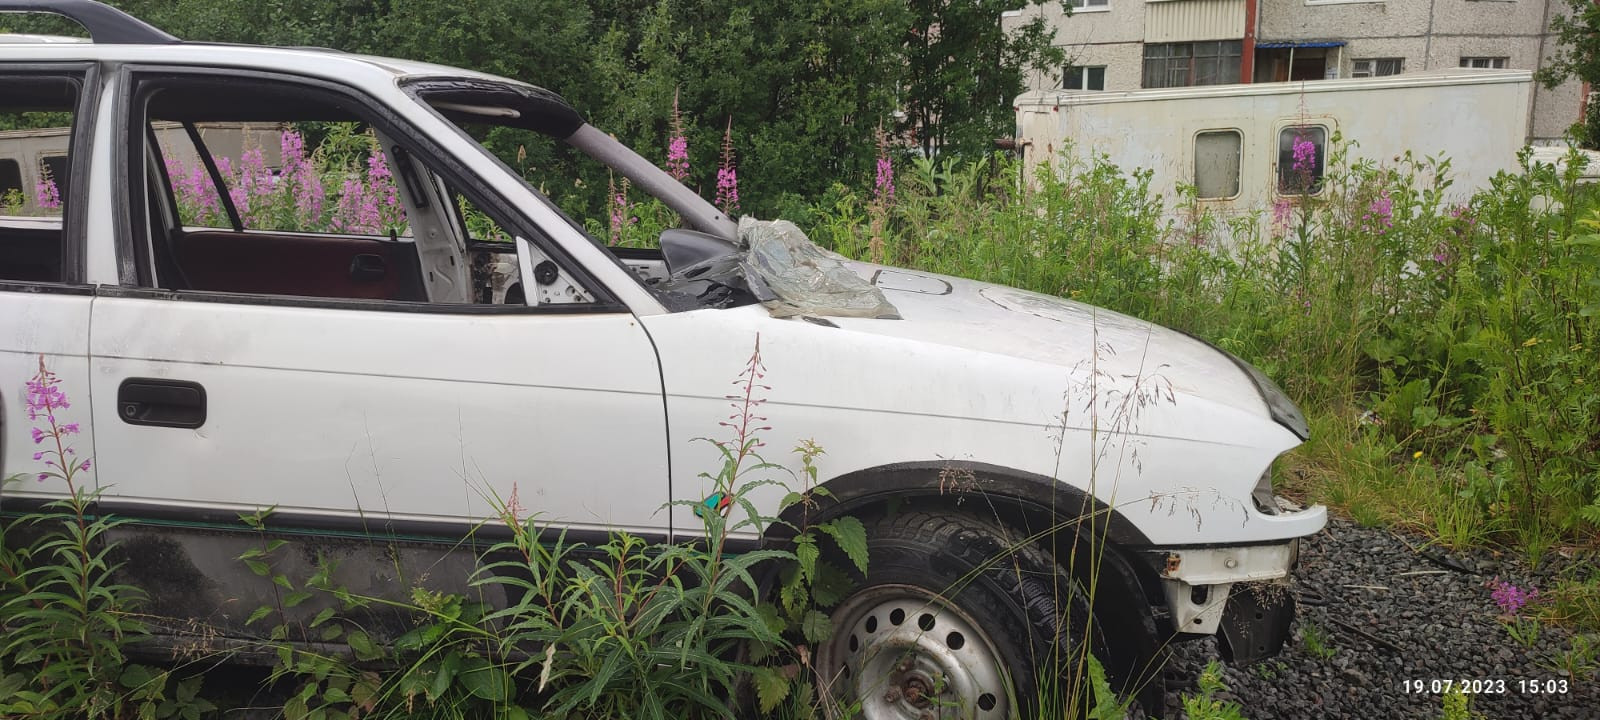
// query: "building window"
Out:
[1377,67]
[1088,4]
[1497,63]
[1301,157]
[1084,78]
[1185,64]
[1216,164]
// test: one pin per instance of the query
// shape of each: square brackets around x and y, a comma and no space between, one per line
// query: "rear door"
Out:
[313,336]
[44,298]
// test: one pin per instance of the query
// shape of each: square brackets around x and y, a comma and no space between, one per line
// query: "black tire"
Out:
[966,574]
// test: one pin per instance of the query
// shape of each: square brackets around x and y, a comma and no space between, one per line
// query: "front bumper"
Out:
[1241,591]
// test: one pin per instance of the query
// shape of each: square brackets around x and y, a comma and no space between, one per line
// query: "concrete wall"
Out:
[1428,34]
[1112,36]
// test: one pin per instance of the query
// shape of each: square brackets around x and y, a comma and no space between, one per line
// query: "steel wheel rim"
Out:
[903,653]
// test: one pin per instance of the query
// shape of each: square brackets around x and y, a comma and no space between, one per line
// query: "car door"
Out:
[44,298]
[340,368]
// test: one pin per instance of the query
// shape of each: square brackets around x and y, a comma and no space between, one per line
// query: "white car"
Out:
[372,386]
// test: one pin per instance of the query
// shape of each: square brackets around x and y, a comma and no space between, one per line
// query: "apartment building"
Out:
[1133,44]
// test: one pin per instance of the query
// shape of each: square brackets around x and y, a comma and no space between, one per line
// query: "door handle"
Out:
[367,267]
[161,403]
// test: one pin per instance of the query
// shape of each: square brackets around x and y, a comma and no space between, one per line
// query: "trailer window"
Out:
[10,183]
[1301,159]
[1216,164]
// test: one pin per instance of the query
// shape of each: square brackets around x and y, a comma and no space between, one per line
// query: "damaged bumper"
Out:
[1240,593]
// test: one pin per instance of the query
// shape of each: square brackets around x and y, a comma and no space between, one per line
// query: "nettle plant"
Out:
[66,625]
[622,629]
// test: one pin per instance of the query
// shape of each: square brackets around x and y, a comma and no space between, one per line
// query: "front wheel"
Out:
[957,618]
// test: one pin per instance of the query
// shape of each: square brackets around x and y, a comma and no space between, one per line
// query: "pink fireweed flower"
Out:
[728,190]
[1383,208]
[677,146]
[884,187]
[357,211]
[1379,216]
[727,178]
[678,158]
[47,194]
[1305,155]
[1282,216]
[1511,598]
[382,197]
[621,214]
[292,147]
[302,178]
[43,399]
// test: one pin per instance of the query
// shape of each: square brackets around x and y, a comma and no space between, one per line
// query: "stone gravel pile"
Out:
[1379,608]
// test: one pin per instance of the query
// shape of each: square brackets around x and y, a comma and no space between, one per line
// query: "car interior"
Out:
[269,221]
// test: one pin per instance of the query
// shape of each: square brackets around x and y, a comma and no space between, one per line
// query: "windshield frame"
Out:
[500,101]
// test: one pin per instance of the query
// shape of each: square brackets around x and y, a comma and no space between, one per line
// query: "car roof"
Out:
[321,61]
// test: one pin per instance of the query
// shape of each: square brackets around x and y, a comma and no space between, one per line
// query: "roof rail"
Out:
[105,24]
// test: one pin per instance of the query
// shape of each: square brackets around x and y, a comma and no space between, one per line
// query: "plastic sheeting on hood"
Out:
[779,267]
[807,279]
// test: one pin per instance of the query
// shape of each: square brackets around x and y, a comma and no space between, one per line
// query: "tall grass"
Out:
[1443,349]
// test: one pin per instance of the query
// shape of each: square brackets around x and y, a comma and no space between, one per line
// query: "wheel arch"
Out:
[1128,601]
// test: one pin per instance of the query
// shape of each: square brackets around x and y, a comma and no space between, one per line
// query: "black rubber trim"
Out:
[133,267]
[457,176]
[105,24]
[543,111]
[291,522]
[75,225]
[407,306]
[45,288]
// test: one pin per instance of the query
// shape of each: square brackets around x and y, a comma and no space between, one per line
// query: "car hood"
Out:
[996,319]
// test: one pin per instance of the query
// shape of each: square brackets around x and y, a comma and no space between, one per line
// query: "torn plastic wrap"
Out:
[806,279]
[779,267]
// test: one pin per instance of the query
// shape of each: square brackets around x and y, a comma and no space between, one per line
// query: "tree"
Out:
[1579,36]
[805,84]
[964,71]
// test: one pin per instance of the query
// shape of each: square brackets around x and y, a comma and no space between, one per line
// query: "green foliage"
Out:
[1106,704]
[66,621]
[1457,705]
[805,85]
[958,98]
[1317,642]
[1443,351]
[1205,705]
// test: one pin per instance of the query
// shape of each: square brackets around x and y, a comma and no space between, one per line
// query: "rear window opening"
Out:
[37,115]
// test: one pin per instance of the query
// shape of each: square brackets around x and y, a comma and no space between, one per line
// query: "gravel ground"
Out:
[1441,624]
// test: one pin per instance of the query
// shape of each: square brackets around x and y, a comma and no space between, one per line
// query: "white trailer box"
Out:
[1232,141]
